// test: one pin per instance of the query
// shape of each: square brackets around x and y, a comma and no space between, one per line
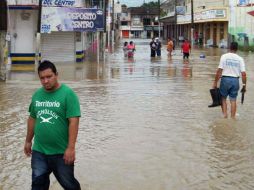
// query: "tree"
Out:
[150,4]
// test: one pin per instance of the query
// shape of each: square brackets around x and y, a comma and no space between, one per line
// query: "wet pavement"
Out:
[145,124]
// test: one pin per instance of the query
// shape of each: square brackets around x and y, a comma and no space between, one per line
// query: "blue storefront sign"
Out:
[180,10]
[71,19]
[243,2]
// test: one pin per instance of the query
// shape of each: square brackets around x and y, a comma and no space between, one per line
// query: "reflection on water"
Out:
[145,124]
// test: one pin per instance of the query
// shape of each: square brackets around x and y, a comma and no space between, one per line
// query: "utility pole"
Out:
[105,15]
[113,24]
[175,35]
[104,37]
[4,14]
[39,17]
[109,23]
[38,36]
[159,11]
[192,23]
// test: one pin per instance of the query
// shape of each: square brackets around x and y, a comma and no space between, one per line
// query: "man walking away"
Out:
[231,67]
[53,123]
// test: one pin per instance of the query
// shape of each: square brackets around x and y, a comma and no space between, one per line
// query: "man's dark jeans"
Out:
[43,165]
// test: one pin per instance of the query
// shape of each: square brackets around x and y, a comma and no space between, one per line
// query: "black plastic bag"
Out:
[216,97]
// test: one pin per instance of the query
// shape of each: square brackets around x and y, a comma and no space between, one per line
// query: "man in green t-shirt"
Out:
[53,124]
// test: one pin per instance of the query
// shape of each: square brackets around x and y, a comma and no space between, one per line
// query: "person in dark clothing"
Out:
[153,47]
[158,49]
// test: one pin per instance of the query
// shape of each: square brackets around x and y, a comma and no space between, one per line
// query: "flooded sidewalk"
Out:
[145,124]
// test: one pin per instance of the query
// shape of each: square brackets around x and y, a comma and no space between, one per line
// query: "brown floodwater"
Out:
[145,124]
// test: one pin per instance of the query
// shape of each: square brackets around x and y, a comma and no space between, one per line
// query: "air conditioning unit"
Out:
[35,2]
[25,15]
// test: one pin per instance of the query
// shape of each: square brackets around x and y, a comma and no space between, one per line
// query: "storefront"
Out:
[136,32]
[58,46]
[171,29]
[62,32]
[210,26]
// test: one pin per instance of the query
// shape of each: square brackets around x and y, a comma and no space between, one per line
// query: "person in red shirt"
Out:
[186,49]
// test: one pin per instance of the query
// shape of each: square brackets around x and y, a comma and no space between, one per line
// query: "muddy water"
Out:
[145,125]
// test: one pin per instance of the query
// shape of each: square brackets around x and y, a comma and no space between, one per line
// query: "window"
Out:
[136,21]
[147,21]
[124,23]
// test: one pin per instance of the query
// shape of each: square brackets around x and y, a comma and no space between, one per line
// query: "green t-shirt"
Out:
[51,111]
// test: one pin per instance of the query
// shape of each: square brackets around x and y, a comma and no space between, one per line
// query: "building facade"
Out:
[25,26]
[210,22]
[241,23]
[3,41]
[139,22]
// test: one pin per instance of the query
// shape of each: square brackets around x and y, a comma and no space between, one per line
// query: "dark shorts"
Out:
[229,86]
[186,55]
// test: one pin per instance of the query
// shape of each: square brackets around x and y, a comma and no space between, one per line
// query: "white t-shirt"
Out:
[232,65]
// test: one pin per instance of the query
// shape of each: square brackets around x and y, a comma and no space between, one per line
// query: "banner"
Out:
[180,10]
[243,2]
[71,19]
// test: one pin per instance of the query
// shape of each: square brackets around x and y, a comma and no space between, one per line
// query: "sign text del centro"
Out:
[58,2]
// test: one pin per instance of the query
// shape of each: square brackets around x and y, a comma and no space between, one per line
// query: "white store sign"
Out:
[58,3]
[203,16]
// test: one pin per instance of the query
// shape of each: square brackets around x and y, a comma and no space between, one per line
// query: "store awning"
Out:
[148,28]
[251,13]
[168,19]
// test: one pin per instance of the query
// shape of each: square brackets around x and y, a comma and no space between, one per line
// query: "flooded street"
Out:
[145,124]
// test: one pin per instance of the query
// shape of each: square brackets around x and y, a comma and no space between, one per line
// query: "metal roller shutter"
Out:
[125,33]
[58,47]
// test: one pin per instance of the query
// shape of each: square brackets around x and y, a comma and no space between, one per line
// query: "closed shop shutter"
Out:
[58,47]
[125,33]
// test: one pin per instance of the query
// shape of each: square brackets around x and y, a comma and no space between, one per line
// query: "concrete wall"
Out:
[3,55]
[241,26]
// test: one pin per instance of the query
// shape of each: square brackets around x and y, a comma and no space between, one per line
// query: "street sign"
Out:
[71,19]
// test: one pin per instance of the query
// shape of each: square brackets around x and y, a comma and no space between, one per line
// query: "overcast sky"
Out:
[134,3]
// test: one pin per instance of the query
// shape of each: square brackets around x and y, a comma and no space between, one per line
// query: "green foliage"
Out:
[151,4]
[163,13]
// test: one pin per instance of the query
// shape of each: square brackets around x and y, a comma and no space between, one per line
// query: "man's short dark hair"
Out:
[234,46]
[47,65]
